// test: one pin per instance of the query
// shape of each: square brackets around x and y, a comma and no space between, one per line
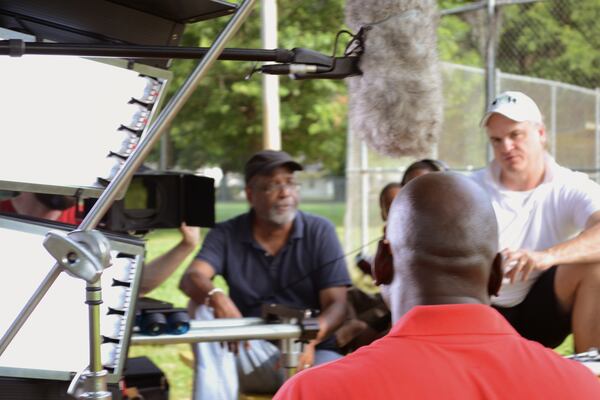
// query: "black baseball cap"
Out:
[266,161]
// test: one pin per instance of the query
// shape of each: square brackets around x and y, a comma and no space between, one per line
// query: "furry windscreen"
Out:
[397,104]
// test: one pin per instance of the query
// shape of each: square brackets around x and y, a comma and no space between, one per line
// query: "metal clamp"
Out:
[291,349]
[83,254]
[88,385]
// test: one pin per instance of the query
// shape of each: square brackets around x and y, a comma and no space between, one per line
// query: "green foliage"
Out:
[222,122]
[457,39]
[556,40]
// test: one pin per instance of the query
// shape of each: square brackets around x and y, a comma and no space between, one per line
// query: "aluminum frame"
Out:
[118,185]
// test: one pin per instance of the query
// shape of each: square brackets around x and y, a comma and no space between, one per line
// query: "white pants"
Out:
[221,375]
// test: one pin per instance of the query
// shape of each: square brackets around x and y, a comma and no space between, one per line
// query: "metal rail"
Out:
[17,48]
[217,331]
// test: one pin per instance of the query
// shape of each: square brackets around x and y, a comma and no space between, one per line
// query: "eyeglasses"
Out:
[277,187]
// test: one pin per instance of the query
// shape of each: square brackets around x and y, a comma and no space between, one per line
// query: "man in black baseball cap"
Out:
[264,162]
[274,253]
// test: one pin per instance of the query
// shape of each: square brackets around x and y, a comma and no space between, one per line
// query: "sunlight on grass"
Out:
[567,347]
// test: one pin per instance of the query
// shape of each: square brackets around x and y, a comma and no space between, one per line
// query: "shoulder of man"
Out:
[567,175]
[315,223]
[483,177]
[574,181]
[315,383]
[234,222]
[479,173]
[313,218]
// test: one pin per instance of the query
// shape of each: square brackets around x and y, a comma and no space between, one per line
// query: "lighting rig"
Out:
[81,100]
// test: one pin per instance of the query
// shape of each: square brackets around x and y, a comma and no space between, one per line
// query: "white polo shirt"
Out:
[553,212]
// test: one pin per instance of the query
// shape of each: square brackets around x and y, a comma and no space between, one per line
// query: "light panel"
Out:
[53,343]
[67,121]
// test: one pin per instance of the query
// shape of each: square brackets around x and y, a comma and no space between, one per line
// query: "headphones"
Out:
[383,263]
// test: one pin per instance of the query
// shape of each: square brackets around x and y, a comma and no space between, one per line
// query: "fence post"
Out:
[490,52]
[490,62]
[597,131]
[364,195]
[553,129]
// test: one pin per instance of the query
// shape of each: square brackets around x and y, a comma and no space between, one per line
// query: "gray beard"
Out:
[282,219]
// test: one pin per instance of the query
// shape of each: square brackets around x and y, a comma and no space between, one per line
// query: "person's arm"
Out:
[196,283]
[582,249]
[159,269]
[333,303]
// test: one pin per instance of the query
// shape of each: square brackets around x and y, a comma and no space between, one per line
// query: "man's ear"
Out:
[495,276]
[541,129]
[249,193]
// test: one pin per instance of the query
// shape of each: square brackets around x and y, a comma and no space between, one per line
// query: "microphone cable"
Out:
[294,282]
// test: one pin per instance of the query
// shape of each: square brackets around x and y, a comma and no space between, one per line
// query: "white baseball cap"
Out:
[514,105]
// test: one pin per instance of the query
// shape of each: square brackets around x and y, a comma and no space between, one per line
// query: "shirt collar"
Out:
[550,169]
[298,227]
[452,319]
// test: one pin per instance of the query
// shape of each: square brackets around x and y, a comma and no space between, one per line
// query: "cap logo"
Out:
[505,99]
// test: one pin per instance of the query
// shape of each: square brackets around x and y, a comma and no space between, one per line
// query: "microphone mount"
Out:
[299,62]
[312,65]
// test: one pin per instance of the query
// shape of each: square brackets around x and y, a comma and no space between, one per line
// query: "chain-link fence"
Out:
[556,40]
[547,49]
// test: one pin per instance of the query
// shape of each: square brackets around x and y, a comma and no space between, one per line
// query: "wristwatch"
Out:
[211,292]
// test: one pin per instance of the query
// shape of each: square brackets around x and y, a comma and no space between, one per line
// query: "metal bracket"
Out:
[82,254]
[86,385]
[291,349]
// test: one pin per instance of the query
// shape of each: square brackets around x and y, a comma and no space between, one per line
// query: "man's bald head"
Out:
[444,238]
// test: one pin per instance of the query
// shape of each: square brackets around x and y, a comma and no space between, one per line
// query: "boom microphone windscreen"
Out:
[396,105]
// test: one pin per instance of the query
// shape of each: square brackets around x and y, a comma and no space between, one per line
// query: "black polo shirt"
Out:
[310,261]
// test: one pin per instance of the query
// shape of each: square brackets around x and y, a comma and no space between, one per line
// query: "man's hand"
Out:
[190,235]
[224,307]
[522,262]
[307,358]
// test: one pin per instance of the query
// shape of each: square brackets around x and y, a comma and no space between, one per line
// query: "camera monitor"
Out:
[161,200]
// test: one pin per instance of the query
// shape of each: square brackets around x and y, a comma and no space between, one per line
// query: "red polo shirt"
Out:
[463,352]
[68,216]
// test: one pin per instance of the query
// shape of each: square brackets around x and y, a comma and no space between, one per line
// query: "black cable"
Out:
[280,290]
[354,48]
[337,37]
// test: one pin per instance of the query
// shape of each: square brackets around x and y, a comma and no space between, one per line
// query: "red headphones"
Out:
[383,263]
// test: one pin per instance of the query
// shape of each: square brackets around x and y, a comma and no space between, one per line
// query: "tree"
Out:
[221,124]
[556,40]
[460,39]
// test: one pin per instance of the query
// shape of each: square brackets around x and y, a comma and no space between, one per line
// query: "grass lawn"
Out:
[168,357]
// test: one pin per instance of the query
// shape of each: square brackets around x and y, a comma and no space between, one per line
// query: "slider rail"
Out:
[224,330]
